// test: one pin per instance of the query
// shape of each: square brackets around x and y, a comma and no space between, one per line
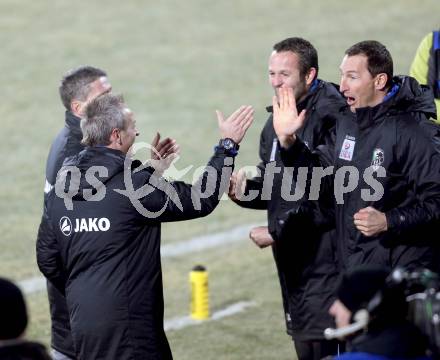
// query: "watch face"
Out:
[228,144]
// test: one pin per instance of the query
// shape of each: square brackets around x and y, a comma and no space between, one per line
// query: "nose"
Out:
[277,81]
[343,85]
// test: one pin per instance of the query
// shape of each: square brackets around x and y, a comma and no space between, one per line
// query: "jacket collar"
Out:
[405,96]
[73,122]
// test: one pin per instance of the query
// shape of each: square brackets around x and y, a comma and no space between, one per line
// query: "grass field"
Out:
[175,62]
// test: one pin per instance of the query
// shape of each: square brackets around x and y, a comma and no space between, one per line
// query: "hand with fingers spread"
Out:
[236,125]
[261,237]
[163,153]
[286,120]
[237,185]
[370,221]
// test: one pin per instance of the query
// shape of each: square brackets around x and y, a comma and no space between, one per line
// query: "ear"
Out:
[310,76]
[76,107]
[380,81]
[115,137]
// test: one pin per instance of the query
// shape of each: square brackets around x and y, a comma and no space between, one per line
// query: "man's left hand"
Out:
[370,221]
[163,153]
[261,237]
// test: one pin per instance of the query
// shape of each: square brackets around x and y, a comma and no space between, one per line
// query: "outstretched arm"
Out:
[173,201]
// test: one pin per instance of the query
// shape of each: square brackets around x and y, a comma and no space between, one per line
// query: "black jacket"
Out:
[305,259]
[105,254]
[67,143]
[398,136]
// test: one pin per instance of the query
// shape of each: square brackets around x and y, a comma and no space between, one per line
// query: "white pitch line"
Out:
[32,285]
[38,283]
[207,241]
[184,321]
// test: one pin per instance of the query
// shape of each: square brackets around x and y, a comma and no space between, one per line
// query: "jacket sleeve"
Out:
[421,166]
[175,201]
[321,210]
[419,66]
[48,254]
[299,155]
[255,185]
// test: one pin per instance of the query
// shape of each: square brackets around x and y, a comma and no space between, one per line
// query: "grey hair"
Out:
[102,116]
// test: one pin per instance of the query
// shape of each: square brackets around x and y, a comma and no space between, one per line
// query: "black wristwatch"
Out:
[229,145]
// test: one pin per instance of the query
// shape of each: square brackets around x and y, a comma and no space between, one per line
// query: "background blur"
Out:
[175,62]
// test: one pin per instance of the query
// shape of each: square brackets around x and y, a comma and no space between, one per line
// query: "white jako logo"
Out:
[65,226]
[92,224]
[83,224]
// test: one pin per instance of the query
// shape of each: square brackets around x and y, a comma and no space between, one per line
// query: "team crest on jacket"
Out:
[65,226]
[378,158]
[347,148]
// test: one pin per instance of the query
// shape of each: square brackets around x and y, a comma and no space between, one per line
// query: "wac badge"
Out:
[347,148]
[378,158]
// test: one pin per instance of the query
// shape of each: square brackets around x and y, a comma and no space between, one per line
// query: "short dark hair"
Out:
[307,54]
[75,83]
[379,59]
[102,115]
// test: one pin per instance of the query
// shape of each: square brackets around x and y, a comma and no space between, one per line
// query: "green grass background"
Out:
[175,62]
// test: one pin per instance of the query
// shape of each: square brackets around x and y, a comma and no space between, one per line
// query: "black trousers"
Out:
[316,350]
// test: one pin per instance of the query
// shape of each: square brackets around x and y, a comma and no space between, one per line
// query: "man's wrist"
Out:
[229,146]
[287,141]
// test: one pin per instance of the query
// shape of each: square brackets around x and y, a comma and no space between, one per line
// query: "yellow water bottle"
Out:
[198,279]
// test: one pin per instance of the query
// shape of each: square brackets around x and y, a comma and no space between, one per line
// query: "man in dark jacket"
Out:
[78,87]
[387,209]
[306,269]
[99,240]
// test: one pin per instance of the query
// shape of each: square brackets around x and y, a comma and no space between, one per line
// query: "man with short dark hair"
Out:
[384,159]
[306,269]
[78,87]
[99,239]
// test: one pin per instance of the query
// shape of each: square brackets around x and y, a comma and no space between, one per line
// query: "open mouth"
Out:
[350,100]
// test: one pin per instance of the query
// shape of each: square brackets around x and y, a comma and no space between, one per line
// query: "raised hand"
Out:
[163,153]
[286,120]
[236,125]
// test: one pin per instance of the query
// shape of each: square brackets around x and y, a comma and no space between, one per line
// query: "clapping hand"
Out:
[286,120]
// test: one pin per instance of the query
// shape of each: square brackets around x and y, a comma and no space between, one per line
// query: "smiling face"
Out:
[357,84]
[284,72]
